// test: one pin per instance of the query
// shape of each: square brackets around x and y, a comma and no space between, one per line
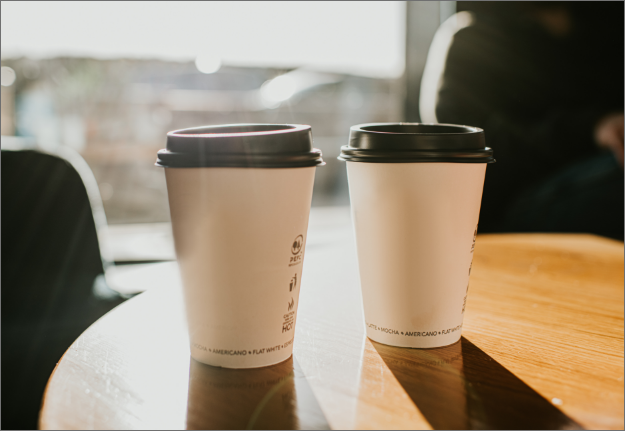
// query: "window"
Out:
[111,79]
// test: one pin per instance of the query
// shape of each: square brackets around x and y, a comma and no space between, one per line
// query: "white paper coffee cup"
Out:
[240,236]
[415,209]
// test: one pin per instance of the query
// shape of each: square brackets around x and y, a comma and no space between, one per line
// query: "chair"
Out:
[52,266]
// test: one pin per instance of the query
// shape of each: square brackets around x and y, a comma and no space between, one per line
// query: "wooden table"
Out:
[542,348]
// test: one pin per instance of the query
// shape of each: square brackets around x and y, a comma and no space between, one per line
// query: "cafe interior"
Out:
[453,171]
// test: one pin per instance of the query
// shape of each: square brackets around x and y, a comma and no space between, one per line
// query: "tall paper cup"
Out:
[415,194]
[239,198]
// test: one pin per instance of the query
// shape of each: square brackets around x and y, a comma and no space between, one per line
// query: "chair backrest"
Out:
[50,259]
[47,223]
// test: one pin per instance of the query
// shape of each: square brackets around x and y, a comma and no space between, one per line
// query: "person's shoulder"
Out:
[476,28]
[489,38]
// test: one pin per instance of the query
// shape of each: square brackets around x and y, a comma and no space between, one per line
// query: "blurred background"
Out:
[110,80]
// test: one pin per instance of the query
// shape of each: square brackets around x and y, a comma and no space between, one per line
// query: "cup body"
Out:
[415,227]
[240,236]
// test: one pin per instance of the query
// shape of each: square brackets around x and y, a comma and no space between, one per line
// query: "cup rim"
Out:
[262,130]
[445,129]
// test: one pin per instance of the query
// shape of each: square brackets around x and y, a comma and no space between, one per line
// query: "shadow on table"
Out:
[461,387]
[275,397]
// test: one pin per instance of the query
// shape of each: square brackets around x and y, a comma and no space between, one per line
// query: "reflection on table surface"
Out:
[274,397]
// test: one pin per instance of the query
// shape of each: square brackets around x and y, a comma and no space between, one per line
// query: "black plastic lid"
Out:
[416,143]
[241,145]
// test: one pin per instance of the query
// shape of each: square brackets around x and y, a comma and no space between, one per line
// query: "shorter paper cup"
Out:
[415,209]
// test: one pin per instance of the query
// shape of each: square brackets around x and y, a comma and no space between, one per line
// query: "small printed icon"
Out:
[297,244]
[291,304]
[293,283]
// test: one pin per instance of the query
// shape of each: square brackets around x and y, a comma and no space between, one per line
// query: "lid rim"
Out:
[484,156]
[311,164]
[487,160]
[416,142]
[291,128]
[169,159]
[241,145]
[472,129]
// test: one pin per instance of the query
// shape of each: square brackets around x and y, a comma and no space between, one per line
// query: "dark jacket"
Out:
[538,97]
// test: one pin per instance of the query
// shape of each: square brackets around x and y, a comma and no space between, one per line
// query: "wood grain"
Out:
[542,348]
[549,308]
